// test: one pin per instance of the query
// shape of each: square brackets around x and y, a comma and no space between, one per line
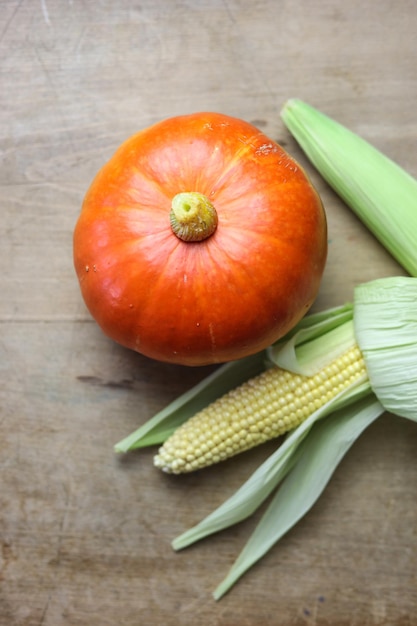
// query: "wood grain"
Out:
[85,536]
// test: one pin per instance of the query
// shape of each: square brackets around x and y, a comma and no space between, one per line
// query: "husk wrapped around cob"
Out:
[380,192]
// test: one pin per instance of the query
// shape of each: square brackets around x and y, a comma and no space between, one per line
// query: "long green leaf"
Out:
[162,425]
[317,458]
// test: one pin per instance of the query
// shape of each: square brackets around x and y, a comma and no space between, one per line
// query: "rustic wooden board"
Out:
[85,536]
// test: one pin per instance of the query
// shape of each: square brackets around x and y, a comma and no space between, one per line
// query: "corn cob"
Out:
[263,408]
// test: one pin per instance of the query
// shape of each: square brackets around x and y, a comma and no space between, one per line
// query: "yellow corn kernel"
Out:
[260,409]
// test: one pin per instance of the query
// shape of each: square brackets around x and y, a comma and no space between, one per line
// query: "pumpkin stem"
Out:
[192,216]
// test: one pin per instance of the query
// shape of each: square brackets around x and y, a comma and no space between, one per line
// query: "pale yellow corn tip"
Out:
[260,409]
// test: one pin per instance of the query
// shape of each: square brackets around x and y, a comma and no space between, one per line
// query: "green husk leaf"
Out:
[378,190]
[306,353]
[316,459]
[162,425]
[385,318]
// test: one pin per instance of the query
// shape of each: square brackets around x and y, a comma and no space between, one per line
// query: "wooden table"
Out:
[85,535]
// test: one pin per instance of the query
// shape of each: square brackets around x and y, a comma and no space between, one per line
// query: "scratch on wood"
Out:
[45,12]
[6,28]
[229,12]
[125,383]
[45,609]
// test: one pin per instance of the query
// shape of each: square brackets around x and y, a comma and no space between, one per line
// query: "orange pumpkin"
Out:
[200,241]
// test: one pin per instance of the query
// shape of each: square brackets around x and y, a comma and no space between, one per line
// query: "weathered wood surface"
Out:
[85,537]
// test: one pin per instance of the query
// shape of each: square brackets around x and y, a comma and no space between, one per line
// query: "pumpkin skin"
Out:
[210,301]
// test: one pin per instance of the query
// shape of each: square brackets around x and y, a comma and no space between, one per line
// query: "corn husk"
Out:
[385,321]
[380,192]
